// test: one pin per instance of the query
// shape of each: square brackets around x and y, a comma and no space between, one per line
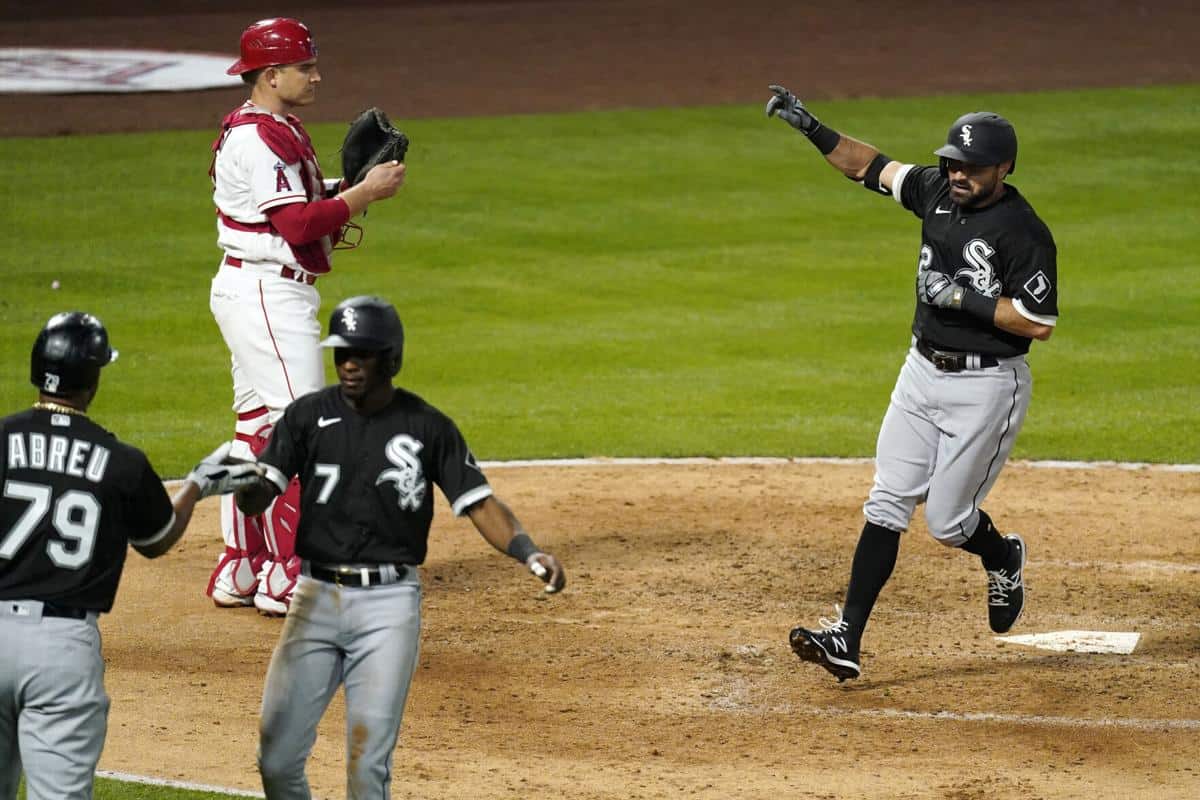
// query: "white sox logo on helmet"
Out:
[350,319]
[965,135]
[408,476]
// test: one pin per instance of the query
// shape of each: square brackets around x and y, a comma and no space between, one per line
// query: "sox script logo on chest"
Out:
[979,274]
[407,475]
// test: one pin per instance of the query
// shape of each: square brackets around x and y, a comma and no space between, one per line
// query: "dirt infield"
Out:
[663,672]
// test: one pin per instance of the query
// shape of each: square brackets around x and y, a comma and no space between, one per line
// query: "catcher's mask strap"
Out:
[350,237]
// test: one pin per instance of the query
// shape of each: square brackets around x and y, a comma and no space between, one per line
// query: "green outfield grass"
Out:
[109,789]
[677,282]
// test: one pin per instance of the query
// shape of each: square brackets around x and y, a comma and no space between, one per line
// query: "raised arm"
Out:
[858,161]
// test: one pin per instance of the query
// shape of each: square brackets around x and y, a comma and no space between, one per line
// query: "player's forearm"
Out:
[852,157]
[301,223]
[361,195]
[184,503]
[356,198]
[495,522]
[1007,318]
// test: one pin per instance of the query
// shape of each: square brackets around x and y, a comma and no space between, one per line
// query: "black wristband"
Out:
[824,138]
[521,547]
[980,306]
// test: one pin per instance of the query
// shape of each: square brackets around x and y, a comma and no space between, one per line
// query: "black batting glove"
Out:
[788,108]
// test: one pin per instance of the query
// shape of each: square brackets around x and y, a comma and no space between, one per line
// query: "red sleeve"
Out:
[301,223]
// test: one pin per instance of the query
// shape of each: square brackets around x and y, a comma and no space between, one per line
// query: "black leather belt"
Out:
[954,362]
[351,576]
[51,610]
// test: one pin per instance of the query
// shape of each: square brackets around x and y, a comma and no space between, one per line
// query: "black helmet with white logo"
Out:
[68,354]
[367,323]
[980,137]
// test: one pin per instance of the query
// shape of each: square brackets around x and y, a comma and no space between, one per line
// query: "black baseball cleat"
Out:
[834,647]
[1006,588]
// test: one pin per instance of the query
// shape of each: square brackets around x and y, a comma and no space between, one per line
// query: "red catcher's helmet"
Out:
[271,42]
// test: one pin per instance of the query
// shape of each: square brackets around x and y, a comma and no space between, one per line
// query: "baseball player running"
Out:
[986,286]
[73,496]
[278,220]
[366,453]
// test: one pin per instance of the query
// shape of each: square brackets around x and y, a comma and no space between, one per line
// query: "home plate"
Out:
[1078,641]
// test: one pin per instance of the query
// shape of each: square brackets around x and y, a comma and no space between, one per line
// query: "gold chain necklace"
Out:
[58,408]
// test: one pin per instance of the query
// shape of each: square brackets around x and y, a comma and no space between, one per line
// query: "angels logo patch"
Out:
[407,475]
[1038,286]
[281,180]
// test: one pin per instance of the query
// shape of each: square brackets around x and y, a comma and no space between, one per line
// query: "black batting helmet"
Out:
[68,353]
[367,323]
[980,137]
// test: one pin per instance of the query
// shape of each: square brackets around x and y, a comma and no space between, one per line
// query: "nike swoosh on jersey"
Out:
[940,210]
[325,423]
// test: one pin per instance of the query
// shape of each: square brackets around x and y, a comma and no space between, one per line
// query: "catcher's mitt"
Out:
[371,140]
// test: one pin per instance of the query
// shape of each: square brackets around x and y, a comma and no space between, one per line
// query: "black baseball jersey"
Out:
[364,480]
[73,499]
[1001,250]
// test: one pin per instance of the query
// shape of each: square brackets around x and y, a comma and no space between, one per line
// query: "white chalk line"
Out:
[1132,566]
[737,693]
[1029,720]
[195,787]
[773,460]
[780,460]
[1038,720]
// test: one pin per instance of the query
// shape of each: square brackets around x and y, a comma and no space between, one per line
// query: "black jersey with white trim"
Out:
[72,498]
[364,479]
[1002,250]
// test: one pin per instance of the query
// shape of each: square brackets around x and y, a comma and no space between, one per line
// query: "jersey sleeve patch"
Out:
[1039,286]
[470,498]
[273,181]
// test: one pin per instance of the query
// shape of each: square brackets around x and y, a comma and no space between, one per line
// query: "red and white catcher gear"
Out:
[259,565]
[235,580]
[277,579]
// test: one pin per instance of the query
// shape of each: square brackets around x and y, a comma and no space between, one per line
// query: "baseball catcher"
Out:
[371,140]
[278,222]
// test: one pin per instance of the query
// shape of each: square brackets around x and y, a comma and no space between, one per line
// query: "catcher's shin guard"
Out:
[277,578]
[235,579]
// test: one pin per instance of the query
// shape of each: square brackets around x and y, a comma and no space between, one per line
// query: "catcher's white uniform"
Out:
[265,302]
